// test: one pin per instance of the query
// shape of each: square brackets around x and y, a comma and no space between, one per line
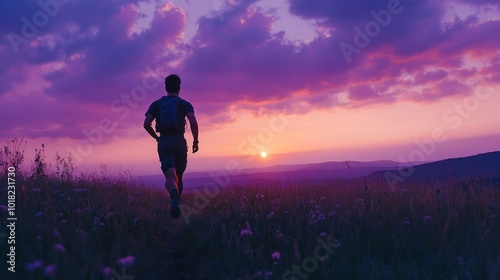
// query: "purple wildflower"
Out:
[246,232]
[126,261]
[49,269]
[107,270]
[34,265]
[270,215]
[60,248]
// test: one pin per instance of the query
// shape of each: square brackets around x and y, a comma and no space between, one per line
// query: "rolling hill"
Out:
[485,165]
[482,165]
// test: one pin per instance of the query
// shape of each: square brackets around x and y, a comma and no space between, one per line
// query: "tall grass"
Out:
[417,232]
[100,225]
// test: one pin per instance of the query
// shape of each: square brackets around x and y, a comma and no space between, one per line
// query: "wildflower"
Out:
[34,265]
[110,214]
[268,274]
[36,190]
[321,217]
[64,221]
[323,199]
[78,190]
[55,233]
[331,215]
[336,243]
[276,202]
[276,256]
[260,196]
[107,270]
[39,237]
[406,223]
[270,215]
[427,219]
[49,269]
[60,248]
[278,233]
[323,234]
[460,261]
[39,214]
[4,208]
[246,232]
[126,261]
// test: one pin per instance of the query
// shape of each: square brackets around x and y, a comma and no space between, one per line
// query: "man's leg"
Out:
[167,160]
[170,180]
[180,165]
[180,184]
[171,186]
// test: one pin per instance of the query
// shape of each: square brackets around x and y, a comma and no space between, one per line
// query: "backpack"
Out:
[170,118]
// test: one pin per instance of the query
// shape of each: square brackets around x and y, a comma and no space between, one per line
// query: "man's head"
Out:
[172,83]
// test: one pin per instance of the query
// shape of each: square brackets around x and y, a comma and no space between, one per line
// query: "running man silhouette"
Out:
[170,112]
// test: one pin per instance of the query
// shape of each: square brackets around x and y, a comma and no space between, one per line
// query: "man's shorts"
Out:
[172,151]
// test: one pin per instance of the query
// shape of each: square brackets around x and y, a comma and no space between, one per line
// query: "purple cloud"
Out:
[83,65]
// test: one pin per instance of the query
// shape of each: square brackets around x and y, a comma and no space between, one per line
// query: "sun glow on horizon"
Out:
[263,154]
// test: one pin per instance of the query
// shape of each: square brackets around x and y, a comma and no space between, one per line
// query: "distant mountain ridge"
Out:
[486,165]
[310,171]
[481,165]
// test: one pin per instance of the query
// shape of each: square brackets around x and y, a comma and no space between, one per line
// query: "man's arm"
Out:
[194,129]
[147,125]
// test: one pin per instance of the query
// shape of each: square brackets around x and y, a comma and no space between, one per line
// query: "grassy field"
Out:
[101,226]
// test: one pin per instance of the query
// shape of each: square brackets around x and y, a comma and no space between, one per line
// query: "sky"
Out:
[303,80]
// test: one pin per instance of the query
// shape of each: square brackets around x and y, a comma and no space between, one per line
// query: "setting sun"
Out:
[263,154]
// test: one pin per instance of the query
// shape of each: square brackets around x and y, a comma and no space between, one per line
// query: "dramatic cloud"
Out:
[91,61]
[236,57]
[86,63]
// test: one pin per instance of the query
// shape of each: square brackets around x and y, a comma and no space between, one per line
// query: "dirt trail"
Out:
[172,259]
